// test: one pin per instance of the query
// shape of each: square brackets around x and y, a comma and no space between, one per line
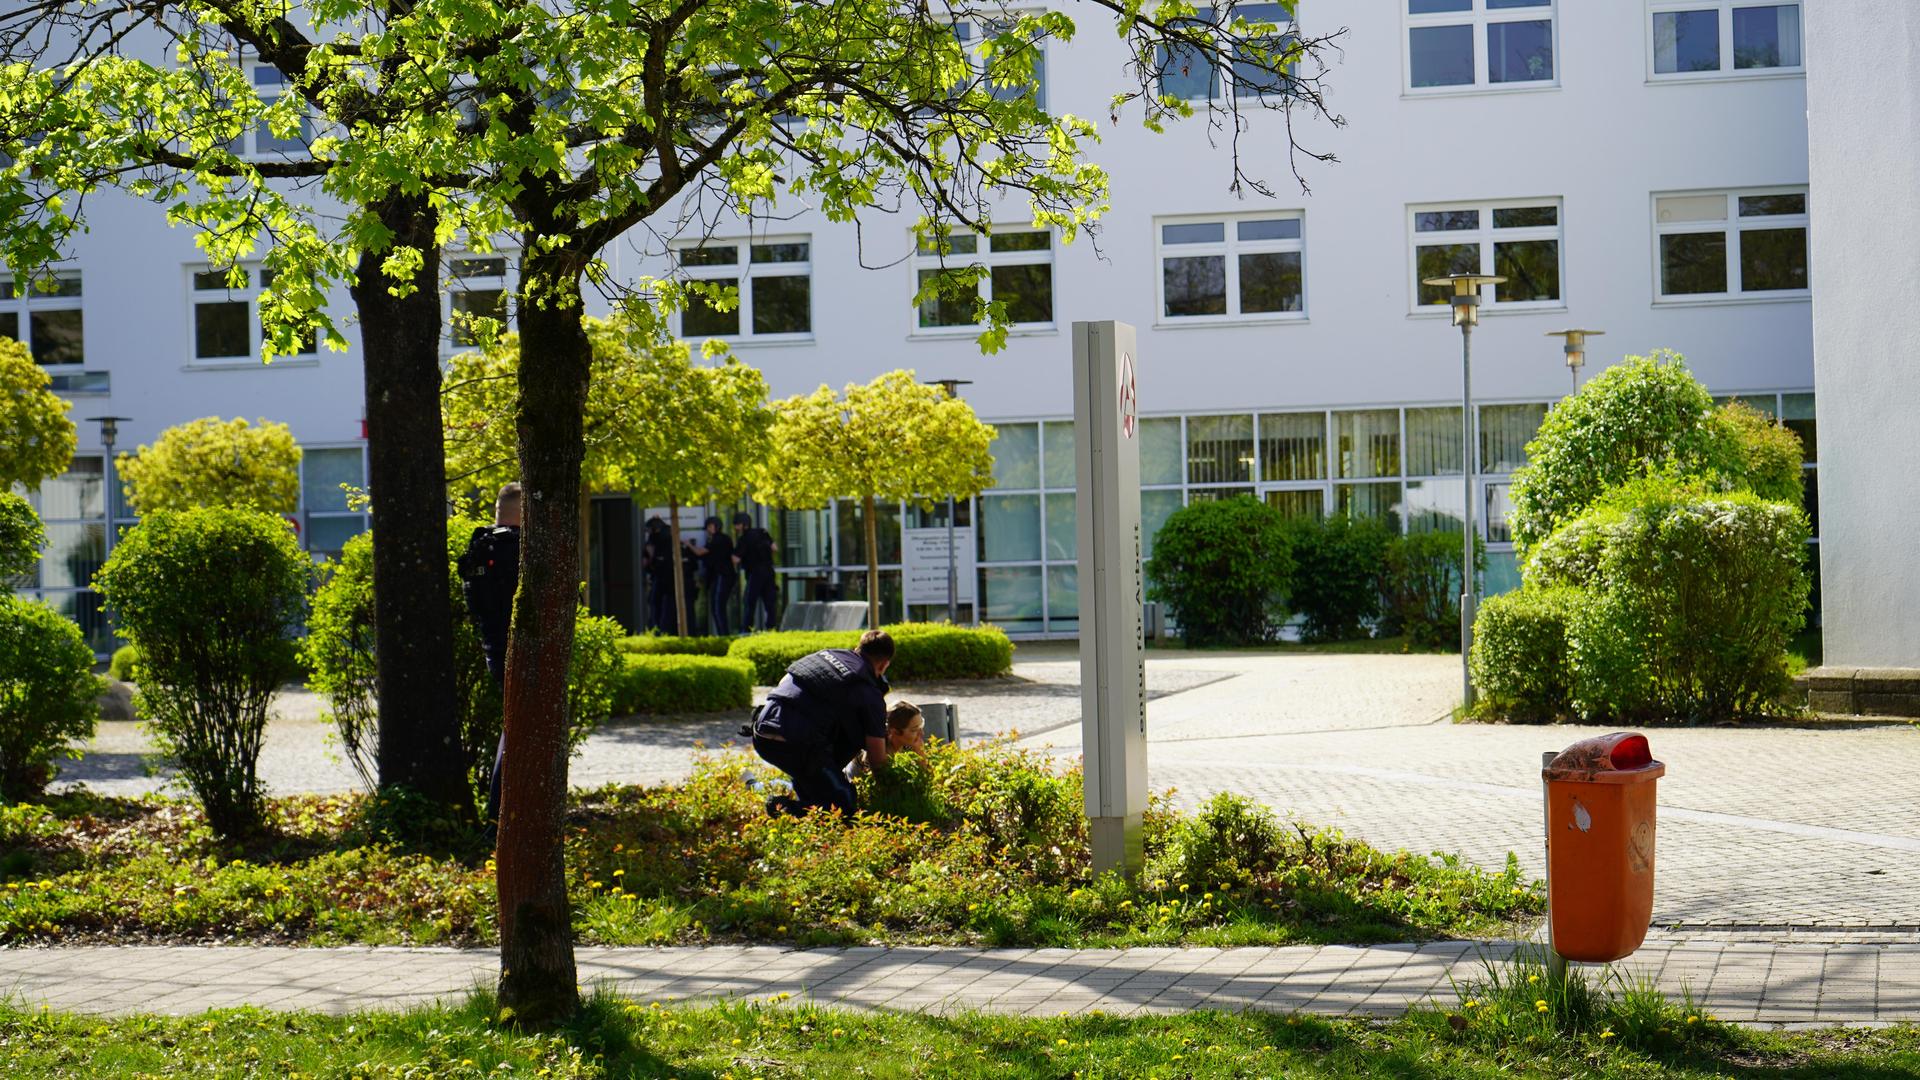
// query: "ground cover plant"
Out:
[618,1037]
[980,845]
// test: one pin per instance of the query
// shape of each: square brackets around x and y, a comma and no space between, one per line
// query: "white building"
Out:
[1637,166]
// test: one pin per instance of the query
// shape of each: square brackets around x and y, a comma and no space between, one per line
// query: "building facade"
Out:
[1638,167]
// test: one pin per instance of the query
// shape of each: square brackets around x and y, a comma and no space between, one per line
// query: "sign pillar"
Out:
[1113,672]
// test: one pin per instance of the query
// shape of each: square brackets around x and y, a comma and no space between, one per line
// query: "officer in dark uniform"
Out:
[753,550]
[489,576]
[719,573]
[828,708]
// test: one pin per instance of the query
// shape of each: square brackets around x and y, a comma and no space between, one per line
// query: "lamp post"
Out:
[109,434]
[1576,349]
[952,387]
[1466,316]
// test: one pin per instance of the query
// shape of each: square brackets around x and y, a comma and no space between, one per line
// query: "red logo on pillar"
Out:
[1129,397]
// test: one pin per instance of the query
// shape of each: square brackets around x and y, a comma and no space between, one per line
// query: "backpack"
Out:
[490,570]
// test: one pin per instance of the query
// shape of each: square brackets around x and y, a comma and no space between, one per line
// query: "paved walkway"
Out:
[1812,982]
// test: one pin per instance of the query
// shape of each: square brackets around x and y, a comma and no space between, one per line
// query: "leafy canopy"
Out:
[894,439]
[21,536]
[36,437]
[215,462]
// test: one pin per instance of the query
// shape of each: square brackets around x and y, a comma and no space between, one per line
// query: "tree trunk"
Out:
[873,567]
[586,536]
[679,574]
[419,735]
[537,973]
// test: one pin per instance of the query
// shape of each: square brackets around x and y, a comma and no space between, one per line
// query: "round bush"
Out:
[1338,566]
[21,536]
[211,597]
[47,693]
[125,664]
[680,683]
[215,462]
[1521,664]
[922,651]
[1222,567]
[1695,596]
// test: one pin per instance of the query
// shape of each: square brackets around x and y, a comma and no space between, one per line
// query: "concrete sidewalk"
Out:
[1811,980]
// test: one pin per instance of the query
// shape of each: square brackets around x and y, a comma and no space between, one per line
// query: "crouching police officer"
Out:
[828,708]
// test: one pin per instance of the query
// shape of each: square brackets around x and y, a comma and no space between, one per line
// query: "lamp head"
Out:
[109,428]
[1466,294]
[951,386]
[1576,345]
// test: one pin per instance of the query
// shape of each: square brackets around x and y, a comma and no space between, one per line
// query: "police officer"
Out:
[717,568]
[489,576]
[828,707]
[753,551]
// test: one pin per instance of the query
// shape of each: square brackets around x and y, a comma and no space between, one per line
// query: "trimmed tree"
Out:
[895,438]
[21,535]
[215,462]
[36,437]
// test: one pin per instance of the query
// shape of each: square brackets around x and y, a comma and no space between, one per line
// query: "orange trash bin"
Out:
[1600,833]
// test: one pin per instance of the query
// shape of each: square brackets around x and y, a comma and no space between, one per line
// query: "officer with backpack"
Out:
[489,576]
[828,708]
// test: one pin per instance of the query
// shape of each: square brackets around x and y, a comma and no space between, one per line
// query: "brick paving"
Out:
[1809,981]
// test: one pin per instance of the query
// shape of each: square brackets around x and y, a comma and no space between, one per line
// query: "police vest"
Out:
[830,680]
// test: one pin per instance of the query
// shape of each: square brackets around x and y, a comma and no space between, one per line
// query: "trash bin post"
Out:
[1556,964]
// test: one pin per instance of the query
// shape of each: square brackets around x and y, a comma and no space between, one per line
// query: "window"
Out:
[1190,75]
[476,289]
[1019,274]
[1702,38]
[975,38]
[1238,267]
[226,314]
[1730,244]
[774,278]
[1517,241]
[1486,44]
[1220,449]
[45,316]
[271,86]
[327,520]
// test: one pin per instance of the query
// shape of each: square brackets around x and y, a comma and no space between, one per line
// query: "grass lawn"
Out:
[974,846]
[617,1038]
[1804,651]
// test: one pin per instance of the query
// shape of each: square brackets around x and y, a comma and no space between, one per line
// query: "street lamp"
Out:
[952,387]
[109,434]
[1466,316]
[1576,349]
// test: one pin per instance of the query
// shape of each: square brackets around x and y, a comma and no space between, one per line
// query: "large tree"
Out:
[895,439]
[36,436]
[215,462]
[565,125]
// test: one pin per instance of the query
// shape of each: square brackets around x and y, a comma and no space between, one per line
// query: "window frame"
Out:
[450,283]
[23,300]
[1729,227]
[1486,235]
[976,32]
[1217,82]
[1478,17]
[984,256]
[743,271]
[1726,70]
[1230,247]
[248,147]
[307,513]
[250,296]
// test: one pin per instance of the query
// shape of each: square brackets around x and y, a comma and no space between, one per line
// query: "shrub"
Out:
[47,693]
[211,596]
[21,536]
[125,664]
[652,644]
[1338,563]
[1695,598]
[922,651]
[339,653]
[669,683]
[1421,586]
[1520,660]
[1222,567]
[1232,840]
[36,435]
[1645,415]
[215,462]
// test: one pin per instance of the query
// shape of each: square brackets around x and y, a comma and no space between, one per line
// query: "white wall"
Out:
[1863,103]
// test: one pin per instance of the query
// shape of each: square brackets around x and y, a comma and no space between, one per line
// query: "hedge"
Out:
[655,683]
[668,645]
[1520,660]
[922,651]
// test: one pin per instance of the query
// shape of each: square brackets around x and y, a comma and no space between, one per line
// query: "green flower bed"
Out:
[922,651]
[668,645]
[982,846]
[678,683]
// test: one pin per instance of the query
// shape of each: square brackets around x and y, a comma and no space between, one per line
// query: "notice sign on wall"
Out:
[924,564]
